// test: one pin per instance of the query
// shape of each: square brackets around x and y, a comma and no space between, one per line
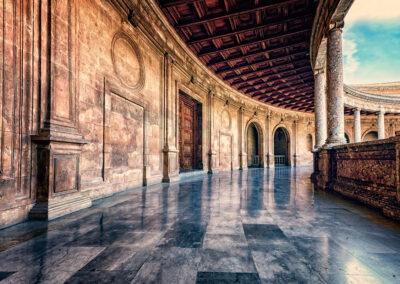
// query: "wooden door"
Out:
[186,134]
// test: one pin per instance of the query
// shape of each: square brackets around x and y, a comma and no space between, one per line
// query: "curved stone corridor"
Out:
[255,226]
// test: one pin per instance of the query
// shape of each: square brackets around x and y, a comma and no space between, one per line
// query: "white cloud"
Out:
[375,10]
[350,61]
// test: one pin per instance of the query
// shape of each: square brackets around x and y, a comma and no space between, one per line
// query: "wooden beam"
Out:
[236,13]
[274,37]
[171,3]
[271,90]
[224,71]
[278,79]
[251,54]
[264,69]
[268,76]
[255,28]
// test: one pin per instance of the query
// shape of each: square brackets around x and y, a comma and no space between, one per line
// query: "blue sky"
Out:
[372,42]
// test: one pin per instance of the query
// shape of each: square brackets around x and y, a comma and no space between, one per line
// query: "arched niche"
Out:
[371,135]
[281,146]
[254,144]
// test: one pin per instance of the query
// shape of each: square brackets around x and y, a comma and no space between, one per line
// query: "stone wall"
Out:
[367,172]
[89,105]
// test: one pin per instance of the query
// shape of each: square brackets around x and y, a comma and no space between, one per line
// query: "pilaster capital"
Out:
[268,114]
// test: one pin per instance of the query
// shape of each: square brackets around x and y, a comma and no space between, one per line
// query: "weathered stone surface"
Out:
[366,172]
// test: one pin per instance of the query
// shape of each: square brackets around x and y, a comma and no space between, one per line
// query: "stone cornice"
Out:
[371,97]
[371,102]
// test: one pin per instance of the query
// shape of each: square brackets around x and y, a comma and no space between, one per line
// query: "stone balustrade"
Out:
[366,172]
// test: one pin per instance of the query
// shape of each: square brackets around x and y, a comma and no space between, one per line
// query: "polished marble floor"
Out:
[256,226]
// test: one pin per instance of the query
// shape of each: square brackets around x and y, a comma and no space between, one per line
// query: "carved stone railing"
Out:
[367,172]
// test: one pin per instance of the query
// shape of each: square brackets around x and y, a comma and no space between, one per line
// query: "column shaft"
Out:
[357,125]
[320,108]
[381,125]
[335,87]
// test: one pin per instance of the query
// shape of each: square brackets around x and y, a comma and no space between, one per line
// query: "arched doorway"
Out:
[347,138]
[281,147]
[253,146]
[371,136]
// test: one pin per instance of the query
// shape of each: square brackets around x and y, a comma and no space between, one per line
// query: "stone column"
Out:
[335,86]
[357,125]
[320,108]
[381,124]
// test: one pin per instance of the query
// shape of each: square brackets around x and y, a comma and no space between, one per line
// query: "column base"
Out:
[170,165]
[58,207]
[211,162]
[332,143]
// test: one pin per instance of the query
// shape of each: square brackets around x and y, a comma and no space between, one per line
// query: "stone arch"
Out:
[254,159]
[282,157]
[370,135]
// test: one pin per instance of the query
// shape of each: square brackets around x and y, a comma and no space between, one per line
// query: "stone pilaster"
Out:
[357,125]
[58,141]
[381,124]
[295,142]
[335,97]
[211,152]
[320,108]
[170,152]
[242,156]
[269,157]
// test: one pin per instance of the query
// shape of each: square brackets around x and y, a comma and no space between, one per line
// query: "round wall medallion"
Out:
[127,61]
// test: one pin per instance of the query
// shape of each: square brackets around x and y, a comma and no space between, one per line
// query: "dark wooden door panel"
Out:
[186,154]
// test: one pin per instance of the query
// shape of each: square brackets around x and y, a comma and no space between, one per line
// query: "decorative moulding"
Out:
[128,61]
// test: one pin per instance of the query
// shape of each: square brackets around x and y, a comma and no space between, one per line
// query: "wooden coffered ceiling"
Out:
[260,47]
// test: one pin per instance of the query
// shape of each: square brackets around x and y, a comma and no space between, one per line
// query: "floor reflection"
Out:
[250,226]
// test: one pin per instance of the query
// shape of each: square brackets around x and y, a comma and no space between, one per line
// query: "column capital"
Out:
[336,25]
[319,71]
[357,109]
